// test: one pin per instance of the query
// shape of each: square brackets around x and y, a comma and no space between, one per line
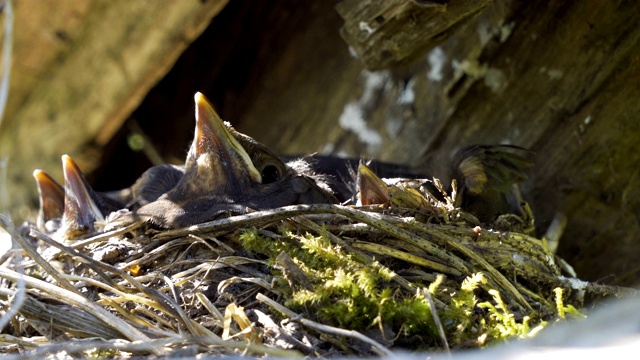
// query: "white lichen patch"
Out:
[328,148]
[518,259]
[364,26]
[553,74]
[469,67]
[437,60]
[576,284]
[485,32]
[353,114]
[374,81]
[394,125]
[353,53]
[506,30]
[352,119]
[407,95]
[494,79]
[582,127]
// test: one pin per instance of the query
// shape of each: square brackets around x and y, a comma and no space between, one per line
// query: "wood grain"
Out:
[86,66]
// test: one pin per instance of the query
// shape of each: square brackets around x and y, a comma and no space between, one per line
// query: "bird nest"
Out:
[304,280]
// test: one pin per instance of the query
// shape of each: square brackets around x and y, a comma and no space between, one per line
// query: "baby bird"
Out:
[226,171]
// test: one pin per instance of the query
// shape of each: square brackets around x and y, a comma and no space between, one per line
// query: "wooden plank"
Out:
[559,81]
[391,33]
[565,90]
[98,61]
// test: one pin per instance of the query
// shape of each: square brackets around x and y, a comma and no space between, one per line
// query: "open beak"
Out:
[373,190]
[51,198]
[214,145]
[80,210]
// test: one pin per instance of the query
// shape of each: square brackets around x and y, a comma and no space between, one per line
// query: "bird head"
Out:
[80,209]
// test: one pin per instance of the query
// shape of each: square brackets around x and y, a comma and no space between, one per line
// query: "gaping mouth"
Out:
[80,210]
[51,196]
[214,143]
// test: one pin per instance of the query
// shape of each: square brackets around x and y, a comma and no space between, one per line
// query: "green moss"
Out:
[252,241]
[501,323]
[564,310]
[460,317]
[350,294]
[413,315]
[101,353]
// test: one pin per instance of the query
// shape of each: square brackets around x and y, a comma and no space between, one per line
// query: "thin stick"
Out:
[123,327]
[436,318]
[261,218]
[7,49]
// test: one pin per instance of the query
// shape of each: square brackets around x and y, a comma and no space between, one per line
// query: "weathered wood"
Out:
[558,80]
[88,65]
[390,33]
[559,84]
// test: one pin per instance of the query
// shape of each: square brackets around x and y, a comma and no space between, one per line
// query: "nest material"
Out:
[316,280]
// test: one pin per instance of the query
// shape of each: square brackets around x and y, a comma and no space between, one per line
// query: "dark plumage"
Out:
[82,205]
[487,178]
[228,171]
[154,182]
[340,173]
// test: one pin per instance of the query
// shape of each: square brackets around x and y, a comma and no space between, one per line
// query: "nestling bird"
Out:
[229,172]
[154,182]
[226,171]
[340,173]
[83,206]
[487,178]
[51,196]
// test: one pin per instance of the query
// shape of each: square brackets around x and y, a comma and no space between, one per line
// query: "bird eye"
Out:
[270,174]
